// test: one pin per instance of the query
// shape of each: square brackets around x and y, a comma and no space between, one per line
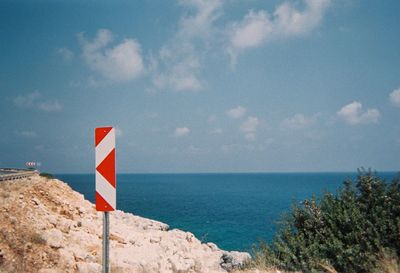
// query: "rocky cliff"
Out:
[46,227]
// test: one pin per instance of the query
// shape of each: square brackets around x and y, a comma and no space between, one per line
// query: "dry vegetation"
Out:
[21,245]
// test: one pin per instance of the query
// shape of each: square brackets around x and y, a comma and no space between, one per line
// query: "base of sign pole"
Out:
[106,245]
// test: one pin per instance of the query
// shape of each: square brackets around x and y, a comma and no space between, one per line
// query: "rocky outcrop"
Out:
[233,260]
[47,227]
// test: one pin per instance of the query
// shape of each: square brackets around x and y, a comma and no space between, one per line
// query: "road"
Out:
[12,174]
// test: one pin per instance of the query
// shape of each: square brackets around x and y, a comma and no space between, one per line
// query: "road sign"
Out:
[105,183]
[105,169]
[30,164]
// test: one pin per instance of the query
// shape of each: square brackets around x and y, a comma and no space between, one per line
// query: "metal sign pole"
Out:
[106,237]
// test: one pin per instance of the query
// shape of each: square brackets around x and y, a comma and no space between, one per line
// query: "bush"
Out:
[47,175]
[37,239]
[348,231]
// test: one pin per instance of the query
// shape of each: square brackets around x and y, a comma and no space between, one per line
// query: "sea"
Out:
[233,210]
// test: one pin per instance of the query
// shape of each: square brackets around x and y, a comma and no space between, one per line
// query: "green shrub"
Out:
[347,231]
[47,175]
[37,239]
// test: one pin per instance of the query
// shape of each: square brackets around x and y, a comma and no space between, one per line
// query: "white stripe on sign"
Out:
[105,189]
[104,148]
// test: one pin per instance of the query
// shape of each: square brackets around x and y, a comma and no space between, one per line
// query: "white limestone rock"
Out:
[88,267]
[72,233]
[53,238]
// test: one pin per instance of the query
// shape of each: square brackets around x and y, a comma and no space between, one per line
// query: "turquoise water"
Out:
[231,210]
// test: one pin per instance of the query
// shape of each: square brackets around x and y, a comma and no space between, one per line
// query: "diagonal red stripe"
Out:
[107,167]
[100,133]
[101,204]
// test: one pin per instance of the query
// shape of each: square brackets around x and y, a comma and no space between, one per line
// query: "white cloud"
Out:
[236,147]
[300,121]
[291,22]
[120,63]
[181,132]
[34,101]
[353,114]
[250,136]
[179,61]
[27,101]
[252,31]
[27,134]
[216,131]
[258,27]
[236,112]
[199,24]
[250,125]
[49,106]
[181,76]
[394,97]
[65,53]
[194,150]
[118,132]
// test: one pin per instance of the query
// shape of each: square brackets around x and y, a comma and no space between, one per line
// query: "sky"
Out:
[201,86]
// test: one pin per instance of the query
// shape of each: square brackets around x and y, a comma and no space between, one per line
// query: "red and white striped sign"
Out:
[30,164]
[105,169]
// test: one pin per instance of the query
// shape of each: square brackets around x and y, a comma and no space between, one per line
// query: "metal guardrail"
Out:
[12,174]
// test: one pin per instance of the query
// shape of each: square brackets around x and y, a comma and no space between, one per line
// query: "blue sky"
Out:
[202,86]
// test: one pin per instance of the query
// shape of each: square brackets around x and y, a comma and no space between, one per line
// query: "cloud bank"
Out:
[179,61]
[181,132]
[259,27]
[300,121]
[236,112]
[249,128]
[119,63]
[353,114]
[34,100]
[178,64]
[394,97]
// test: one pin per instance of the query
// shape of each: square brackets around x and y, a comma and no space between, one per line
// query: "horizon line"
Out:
[250,172]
